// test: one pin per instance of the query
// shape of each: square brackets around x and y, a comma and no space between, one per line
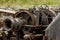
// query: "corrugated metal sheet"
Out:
[53,30]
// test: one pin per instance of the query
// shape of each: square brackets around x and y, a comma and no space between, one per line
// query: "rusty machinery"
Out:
[27,24]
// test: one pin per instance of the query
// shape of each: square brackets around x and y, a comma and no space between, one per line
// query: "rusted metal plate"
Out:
[53,30]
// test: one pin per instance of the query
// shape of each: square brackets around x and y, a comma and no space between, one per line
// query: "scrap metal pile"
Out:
[25,24]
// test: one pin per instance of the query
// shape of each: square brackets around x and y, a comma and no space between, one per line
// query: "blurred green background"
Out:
[28,3]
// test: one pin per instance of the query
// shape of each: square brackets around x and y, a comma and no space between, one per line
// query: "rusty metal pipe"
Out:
[13,24]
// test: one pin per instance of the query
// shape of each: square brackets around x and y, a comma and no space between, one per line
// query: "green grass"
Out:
[28,3]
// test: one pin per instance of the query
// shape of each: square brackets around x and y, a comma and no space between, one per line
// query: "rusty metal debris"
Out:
[26,24]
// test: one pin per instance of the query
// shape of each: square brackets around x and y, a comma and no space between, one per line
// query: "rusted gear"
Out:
[27,16]
[49,13]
